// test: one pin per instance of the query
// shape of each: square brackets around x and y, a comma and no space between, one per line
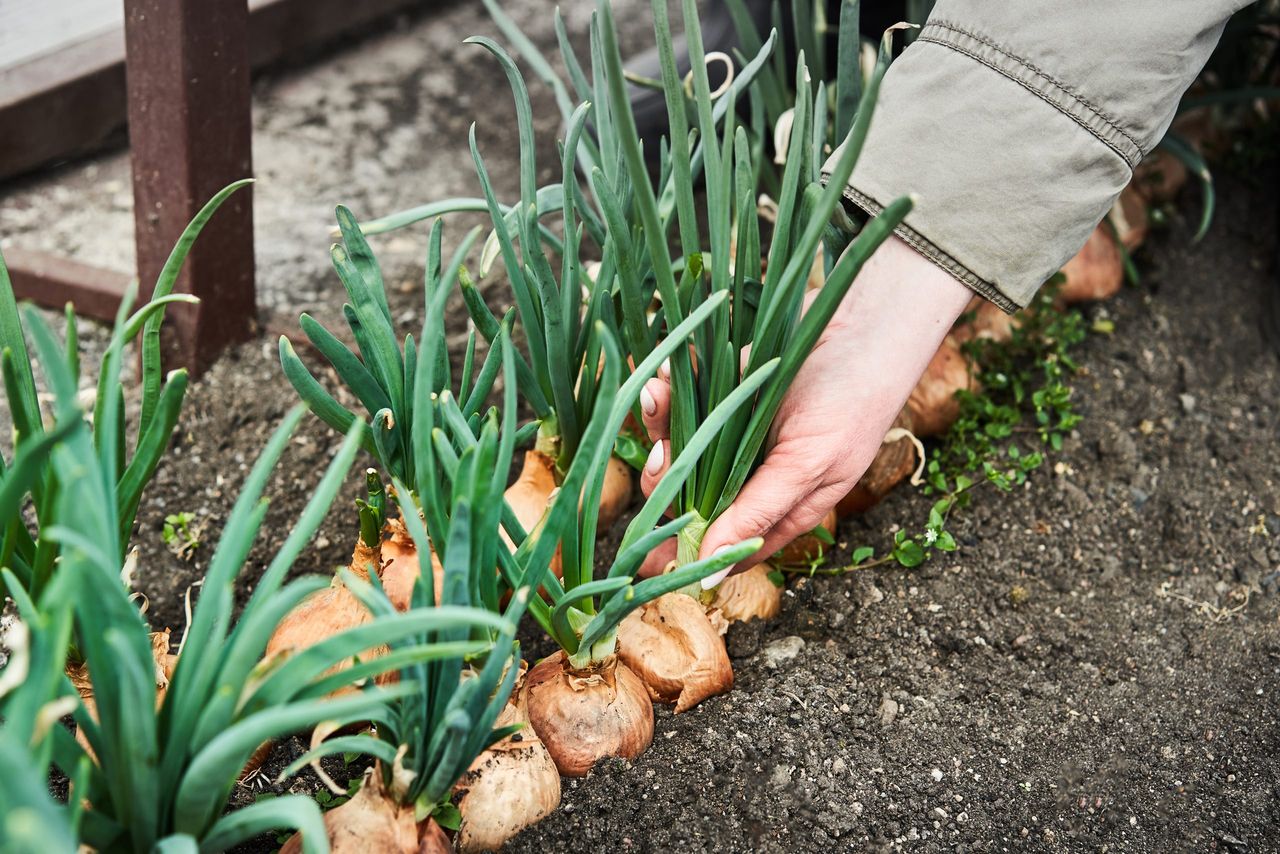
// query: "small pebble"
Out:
[779,652]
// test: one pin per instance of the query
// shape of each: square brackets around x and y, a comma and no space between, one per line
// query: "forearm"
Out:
[895,317]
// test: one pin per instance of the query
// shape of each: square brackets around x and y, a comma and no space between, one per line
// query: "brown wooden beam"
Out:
[189,136]
[53,280]
[70,102]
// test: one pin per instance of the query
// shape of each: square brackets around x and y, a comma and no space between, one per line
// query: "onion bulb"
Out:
[1097,270]
[78,674]
[933,406]
[373,821]
[512,785]
[1129,218]
[807,547]
[587,715]
[748,595]
[530,496]
[326,612]
[400,568]
[1159,177]
[615,496]
[676,652]
[985,320]
[893,464]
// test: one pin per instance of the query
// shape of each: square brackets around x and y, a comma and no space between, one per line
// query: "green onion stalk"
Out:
[843,77]
[162,738]
[558,304]
[31,703]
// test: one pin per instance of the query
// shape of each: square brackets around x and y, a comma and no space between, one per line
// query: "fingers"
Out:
[655,408]
[657,560]
[799,522]
[655,467]
[776,500]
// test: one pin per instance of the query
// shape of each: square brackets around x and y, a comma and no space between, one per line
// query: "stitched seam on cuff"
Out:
[1044,86]
[921,244]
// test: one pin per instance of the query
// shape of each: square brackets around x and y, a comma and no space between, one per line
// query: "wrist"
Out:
[894,318]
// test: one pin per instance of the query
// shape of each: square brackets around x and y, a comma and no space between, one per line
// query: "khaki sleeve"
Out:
[1018,124]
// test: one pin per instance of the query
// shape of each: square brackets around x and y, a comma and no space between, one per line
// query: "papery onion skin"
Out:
[933,406]
[676,652]
[1096,272]
[985,320]
[1129,218]
[400,567]
[512,785]
[806,548]
[530,496]
[615,495]
[893,464]
[585,716]
[78,674]
[372,821]
[1159,177]
[748,595]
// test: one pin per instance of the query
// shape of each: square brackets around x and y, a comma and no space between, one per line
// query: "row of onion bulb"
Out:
[670,651]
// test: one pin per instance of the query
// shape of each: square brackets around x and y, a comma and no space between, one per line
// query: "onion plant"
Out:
[32,557]
[379,372]
[763,320]
[427,738]
[160,750]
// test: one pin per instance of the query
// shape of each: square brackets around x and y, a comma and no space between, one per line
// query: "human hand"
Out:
[836,412]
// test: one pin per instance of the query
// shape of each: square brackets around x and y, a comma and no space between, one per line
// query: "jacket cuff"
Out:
[1012,170]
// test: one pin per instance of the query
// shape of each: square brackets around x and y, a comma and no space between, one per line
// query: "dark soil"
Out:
[1095,669]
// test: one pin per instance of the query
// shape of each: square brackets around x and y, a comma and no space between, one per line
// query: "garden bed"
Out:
[1097,664]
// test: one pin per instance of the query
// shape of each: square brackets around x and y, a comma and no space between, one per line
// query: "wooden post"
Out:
[187,68]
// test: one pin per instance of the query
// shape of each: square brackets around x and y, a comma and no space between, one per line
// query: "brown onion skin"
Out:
[530,496]
[933,406]
[400,566]
[372,821]
[985,320]
[893,464]
[805,548]
[615,495]
[78,674]
[514,784]
[585,716]
[674,649]
[1159,177]
[1131,220]
[1096,272]
[748,595]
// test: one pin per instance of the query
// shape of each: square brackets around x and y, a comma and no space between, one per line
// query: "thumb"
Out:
[768,497]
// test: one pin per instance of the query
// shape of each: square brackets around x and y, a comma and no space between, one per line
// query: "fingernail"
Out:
[647,403]
[712,581]
[664,370]
[715,578]
[653,465]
